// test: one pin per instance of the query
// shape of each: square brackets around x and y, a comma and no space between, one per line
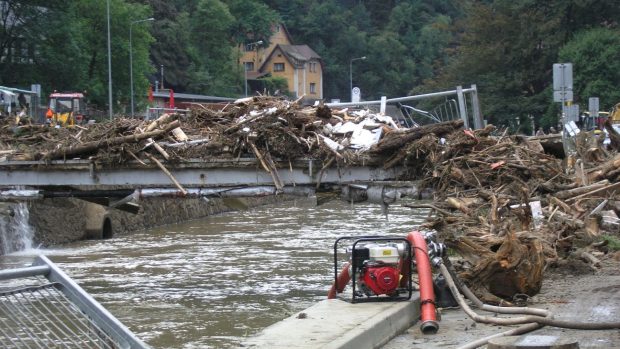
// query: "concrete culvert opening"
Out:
[106,230]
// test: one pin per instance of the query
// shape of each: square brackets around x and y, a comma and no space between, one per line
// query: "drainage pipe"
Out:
[428,315]
[340,283]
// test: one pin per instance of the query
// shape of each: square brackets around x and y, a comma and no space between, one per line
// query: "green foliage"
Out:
[274,83]
[613,242]
[253,20]
[69,47]
[505,47]
[508,48]
[595,54]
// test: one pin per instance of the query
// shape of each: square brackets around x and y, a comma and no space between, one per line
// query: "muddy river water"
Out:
[208,283]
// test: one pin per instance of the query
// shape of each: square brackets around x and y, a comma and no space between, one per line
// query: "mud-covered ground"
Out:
[573,292]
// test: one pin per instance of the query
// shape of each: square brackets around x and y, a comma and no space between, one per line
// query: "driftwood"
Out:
[516,267]
[571,193]
[394,140]
[89,147]
[268,165]
[167,173]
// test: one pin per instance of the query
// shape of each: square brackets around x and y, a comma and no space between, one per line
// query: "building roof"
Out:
[286,32]
[297,55]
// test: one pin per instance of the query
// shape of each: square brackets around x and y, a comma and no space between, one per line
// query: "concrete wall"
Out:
[59,221]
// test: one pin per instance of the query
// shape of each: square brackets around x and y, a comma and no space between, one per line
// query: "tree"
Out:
[91,16]
[595,54]
[508,48]
[213,67]
[31,37]
[253,20]
[63,47]
[172,46]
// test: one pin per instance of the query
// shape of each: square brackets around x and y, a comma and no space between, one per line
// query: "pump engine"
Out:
[377,267]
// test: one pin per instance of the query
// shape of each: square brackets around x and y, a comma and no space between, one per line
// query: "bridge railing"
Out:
[466,106]
[154,113]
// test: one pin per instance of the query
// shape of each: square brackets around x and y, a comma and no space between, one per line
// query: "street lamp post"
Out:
[245,68]
[109,64]
[351,74]
[131,57]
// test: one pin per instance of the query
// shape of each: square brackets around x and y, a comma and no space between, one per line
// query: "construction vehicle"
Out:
[66,109]
[614,115]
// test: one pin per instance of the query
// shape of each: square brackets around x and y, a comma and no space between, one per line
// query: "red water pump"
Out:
[374,267]
[379,268]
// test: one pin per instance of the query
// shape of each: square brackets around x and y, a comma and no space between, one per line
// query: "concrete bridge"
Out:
[119,186]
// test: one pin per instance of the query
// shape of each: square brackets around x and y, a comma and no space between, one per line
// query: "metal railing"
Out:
[44,308]
[466,106]
[154,113]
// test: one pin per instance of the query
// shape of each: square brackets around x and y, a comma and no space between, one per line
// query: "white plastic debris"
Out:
[345,128]
[537,213]
[363,139]
[331,144]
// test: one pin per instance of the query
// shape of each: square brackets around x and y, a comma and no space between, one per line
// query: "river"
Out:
[208,283]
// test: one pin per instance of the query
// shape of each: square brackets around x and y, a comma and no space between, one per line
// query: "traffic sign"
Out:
[562,82]
[356,95]
[593,107]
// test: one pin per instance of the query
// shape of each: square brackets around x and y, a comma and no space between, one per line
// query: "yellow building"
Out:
[298,64]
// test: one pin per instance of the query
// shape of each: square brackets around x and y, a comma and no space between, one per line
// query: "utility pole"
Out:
[131,58]
[351,74]
[109,66]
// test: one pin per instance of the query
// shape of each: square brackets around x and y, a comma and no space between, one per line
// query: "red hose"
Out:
[427,295]
[342,280]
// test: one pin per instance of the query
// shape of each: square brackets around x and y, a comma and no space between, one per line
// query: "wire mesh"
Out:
[39,315]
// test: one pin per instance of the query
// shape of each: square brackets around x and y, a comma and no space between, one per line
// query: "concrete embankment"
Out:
[59,221]
[334,323]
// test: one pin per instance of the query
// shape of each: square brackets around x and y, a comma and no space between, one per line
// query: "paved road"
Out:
[569,297]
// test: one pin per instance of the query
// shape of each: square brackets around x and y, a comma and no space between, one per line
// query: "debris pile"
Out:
[262,127]
[505,206]
[510,211]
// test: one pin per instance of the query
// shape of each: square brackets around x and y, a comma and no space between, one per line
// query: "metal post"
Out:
[462,111]
[351,75]
[109,64]
[131,59]
[131,66]
[478,123]
[162,76]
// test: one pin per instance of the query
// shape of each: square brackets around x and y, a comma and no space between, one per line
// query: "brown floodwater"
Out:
[211,282]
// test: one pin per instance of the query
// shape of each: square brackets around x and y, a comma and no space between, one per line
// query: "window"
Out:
[278,67]
[312,88]
[249,47]
[312,67]
[249,66]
